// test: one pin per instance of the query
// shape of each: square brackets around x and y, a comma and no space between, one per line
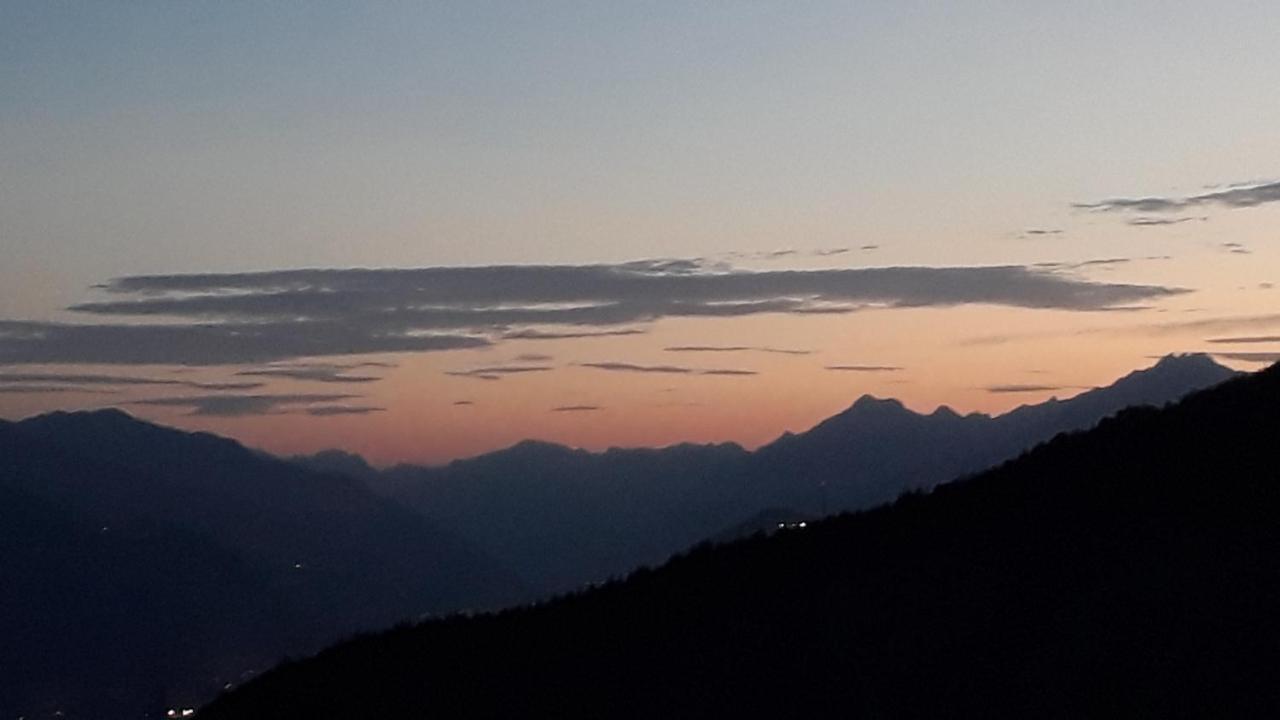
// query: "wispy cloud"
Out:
[463,403]
[496,372]
[318,372]
[1084,264]
[1254,357]
[864,368]
[1019,389]
[576,408]
[735,348]
[1158,222]
[71,379]
[334,410]
[201,344]
[664,369]
[242,405]
[1245,196]
[785,253]
[536,334]
[50,389]
[1237,323]
[1246,339]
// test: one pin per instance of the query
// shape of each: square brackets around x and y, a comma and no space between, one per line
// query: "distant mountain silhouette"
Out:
[1126,571]
[876,449]
[145,567]
[565,517]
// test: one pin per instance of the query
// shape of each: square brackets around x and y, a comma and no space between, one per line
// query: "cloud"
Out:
[630,367]
[1099,262]
[1255,357]
[1245,196]
[318,372]
[496,372]
[576,408]
[782,254]
[1246,339]
[664,369]
[1015,389]
[241,405]
[442,299]
[1235,248]
[534,334]
[1041,232]
[864,368]
[263,317]
[463,403]
[332,410]
[533,357]
[735,348]
[202,344]
[1239,323]
[118,380]
[49,389]
[1157,222]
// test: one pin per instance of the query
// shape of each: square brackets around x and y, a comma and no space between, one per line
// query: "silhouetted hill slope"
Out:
[153,565]
[1128,571]
[568,517]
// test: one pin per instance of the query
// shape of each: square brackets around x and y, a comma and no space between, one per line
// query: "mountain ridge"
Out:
[1126,570]
[572,517]
[230,559]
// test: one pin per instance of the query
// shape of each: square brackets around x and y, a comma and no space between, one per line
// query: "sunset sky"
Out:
[421,231]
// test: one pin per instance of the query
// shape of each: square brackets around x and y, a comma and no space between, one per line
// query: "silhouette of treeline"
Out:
[564,517]
[143,568]
[1132,570]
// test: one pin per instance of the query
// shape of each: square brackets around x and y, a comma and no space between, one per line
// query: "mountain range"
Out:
[148,568]
[564,518]
[1125,571]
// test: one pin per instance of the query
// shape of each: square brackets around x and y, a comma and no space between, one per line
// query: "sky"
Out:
[421,231]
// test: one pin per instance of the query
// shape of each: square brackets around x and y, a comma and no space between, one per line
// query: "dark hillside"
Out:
[1132,570]
[143,567]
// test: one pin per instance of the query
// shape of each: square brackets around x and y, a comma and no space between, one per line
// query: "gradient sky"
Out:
[1092,184]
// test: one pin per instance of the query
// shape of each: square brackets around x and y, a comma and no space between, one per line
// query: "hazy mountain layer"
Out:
[146,567]
[567,517]
[1127,571]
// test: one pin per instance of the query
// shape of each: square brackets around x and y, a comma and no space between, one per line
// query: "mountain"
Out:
[1125,571]
[876,449]
[566,518]
[147,567]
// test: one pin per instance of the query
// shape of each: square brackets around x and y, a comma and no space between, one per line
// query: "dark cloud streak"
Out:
[266,317]
[241,405]
[1236,197]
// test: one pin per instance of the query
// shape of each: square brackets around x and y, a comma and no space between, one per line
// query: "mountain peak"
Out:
[106,417]
[871,402]
[1187,360]
[1178,367]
